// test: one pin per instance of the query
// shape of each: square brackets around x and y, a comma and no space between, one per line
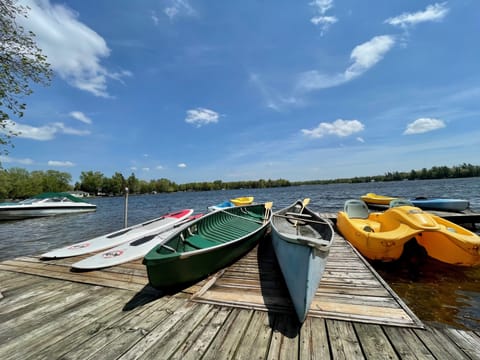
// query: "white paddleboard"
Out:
[130,251]
[154,226]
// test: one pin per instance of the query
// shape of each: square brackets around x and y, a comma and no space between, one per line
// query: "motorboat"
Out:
[45,204]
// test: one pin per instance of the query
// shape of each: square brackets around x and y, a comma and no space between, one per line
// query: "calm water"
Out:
[436,292]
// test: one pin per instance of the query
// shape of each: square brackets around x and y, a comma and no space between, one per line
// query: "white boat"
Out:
[132,250]
[301,240]
[132,233]
[45,204]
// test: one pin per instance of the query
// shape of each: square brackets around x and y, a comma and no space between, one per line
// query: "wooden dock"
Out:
[243,311]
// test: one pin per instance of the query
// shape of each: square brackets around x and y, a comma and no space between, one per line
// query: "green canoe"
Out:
[207,245]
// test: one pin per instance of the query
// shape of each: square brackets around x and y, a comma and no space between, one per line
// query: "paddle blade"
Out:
[268,210]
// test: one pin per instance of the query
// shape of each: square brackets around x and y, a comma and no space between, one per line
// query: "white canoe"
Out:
[301,240]
[130,251]
[122,236]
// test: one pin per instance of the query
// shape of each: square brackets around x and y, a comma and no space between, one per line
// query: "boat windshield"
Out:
[47,200]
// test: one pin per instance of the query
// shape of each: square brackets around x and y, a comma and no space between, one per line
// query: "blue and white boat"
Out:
[301,240]
[223,205]
[440,204]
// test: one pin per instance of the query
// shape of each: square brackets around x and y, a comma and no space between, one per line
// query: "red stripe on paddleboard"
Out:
[179,214]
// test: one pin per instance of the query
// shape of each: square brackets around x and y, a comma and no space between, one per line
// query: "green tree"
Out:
[133,184]
[91,182]
[56,181]
[21,64]
[118,184]
[5,185]
[21,184]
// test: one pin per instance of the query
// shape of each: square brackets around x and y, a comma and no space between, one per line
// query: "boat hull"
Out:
[441,204]
[302,264]
[451,244]
[220,239]
[18,213]
[382,236]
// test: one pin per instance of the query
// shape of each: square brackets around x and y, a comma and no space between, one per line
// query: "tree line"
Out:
[17,183]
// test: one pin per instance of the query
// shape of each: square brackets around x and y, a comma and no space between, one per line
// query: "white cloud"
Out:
[360,139]
[324,21]
[146,169]
[364,57]
[80,117]
[434,12]
[73,49]
[182,165]
[60,163]
[368,54]
[68,130]
[154,18]
[179,8]
[201,116]
[322,6]
[339,127]
[11,160]
[321,20]
[273,100]
[423,125]
[159,167]
[42,133]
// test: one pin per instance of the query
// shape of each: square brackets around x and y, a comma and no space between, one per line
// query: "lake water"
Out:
[436,292]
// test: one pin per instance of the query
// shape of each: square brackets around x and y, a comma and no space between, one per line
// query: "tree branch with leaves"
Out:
[22,63]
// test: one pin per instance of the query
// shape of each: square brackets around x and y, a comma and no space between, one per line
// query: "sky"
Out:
[197,90]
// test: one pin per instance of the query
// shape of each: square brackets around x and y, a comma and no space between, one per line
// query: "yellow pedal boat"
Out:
[375,199]
[382,235]
[242,201]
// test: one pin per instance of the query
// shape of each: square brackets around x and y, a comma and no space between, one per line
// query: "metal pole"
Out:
[125,217]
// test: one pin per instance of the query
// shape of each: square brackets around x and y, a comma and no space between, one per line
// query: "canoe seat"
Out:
[356,209]
[199,242]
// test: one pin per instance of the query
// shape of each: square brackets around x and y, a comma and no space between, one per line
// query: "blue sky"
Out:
[195,90]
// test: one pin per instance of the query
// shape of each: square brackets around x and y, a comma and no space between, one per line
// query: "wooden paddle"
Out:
[268,209]
[305,202]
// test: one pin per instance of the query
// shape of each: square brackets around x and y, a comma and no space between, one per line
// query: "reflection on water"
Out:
[435,291]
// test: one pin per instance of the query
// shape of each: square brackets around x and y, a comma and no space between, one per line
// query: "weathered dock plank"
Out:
[229,335]
[343,340]
[375,344]
[200,338]
[111,323]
